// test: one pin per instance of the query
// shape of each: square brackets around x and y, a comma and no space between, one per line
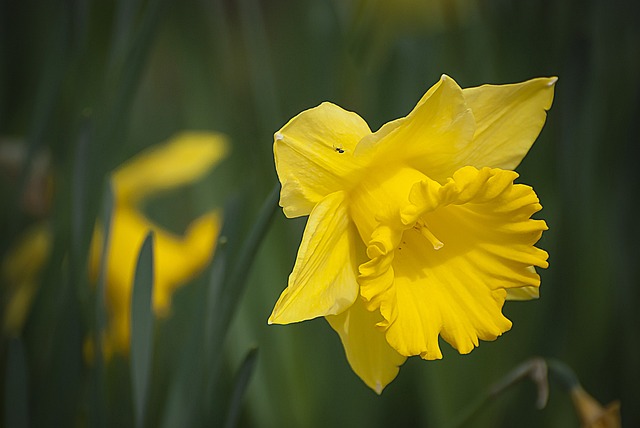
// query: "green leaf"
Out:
[535,369]
[142,328]
[127,62]
[213,294]
[235,284]
[16,409]
[225,288]
[99,414]
[243,376]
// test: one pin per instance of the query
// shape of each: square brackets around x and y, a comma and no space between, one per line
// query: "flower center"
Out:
[380,196]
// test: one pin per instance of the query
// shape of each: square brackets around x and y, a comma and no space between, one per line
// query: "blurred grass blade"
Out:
[53,68]
[252,243]
[80,229]
[142,328]
[99,414]
[125,72]
[227,284]
[100,309]
[213,294]
[16,409]
[123,27]
[240,386]
[234,285]
[263,80]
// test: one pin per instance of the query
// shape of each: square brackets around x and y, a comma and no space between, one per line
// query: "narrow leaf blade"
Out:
[16,410]
[142,328]
[243,377]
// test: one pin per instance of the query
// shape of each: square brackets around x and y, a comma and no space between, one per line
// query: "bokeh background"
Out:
[91,83]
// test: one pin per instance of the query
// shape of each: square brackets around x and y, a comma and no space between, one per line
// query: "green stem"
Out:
[563,373]
[535,369]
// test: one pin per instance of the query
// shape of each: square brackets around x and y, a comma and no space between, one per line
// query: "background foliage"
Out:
[94,82]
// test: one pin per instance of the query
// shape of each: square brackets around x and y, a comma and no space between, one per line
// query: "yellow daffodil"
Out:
[182,160]
[417,230]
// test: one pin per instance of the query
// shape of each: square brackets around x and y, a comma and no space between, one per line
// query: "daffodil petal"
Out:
[183,159]
[324,278]
[465,245]
[508,120]
[367,350]
[486,126]
[314,156]
[429,137]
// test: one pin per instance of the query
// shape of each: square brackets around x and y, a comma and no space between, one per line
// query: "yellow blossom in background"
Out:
[182,160]
[402,16]
[21,268]
[417,230]
[375,25]
[591,413]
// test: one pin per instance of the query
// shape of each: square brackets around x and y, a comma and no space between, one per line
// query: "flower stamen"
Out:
[426,232]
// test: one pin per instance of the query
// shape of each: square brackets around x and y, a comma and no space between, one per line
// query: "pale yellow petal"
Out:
[508,120]
[368,352]
[465,245]
[324,278]
[429,137]
[314,156]
[183,159]
[524,293]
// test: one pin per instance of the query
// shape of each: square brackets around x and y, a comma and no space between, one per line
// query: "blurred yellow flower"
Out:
[183,159]
[591,413]
[417,230]
[22,266]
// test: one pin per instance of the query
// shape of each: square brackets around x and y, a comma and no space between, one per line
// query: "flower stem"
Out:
[535,369]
